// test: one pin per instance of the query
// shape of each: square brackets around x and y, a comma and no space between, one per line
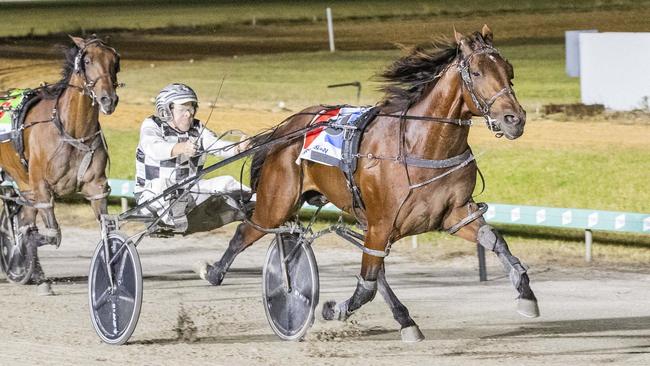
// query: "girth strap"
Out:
[438,164]
[462,164]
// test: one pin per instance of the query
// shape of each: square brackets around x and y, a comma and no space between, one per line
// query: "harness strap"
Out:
[453,121]
[43,205]
[100,195]
[482,208]
[79,144]
[438,164]
[350,236]
[469,159]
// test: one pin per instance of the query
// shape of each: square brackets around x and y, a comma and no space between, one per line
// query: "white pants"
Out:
[200,192]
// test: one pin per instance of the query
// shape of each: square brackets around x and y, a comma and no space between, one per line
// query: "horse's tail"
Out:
[259,157]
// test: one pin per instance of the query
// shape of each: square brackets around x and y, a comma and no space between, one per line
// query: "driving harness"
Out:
[354,134]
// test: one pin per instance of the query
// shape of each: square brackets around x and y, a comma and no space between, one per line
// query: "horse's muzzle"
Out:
[512,125]
[108,104]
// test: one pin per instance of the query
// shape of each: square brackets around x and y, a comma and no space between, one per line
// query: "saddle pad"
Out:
[323,145]
[10,103]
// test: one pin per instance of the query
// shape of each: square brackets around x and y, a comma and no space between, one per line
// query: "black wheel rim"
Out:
[115,307]
[16,259]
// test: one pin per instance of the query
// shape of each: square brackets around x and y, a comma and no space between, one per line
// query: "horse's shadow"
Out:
[567,328]
[365,334]
[244,338]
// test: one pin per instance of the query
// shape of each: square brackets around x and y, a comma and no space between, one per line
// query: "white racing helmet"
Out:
[173,93]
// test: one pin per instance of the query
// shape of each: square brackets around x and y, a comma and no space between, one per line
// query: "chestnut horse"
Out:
[64,149]
[431,95]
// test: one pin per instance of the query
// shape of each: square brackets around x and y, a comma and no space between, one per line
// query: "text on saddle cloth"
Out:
[324,145]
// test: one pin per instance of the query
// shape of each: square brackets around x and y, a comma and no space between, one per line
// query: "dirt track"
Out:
[588,316]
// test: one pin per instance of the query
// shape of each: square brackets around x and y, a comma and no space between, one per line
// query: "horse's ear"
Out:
[462,42]
[78,41]
[457,36]
[486,32]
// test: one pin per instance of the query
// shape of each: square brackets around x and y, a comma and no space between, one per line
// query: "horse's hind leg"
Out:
[244,236]
[409,330]
[278,194]
[30,231]
[487,236]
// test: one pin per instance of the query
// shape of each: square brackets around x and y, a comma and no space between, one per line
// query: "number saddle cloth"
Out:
[337,143]
[14,105]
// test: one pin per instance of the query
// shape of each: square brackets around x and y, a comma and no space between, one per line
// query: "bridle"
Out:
[482,104]
[89,85]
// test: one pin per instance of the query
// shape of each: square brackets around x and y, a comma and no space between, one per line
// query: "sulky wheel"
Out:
[290,293]
[17,257]
[115,289]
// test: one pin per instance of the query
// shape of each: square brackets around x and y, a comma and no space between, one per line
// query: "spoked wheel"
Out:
[290,292]
[115,289]
[17,257]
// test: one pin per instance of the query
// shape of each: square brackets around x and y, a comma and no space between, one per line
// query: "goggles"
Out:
[183,110]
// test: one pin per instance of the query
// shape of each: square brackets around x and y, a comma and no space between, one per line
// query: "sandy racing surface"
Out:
[588,317]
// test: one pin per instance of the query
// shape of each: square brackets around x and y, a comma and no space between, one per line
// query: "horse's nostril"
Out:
[513,120]
[105,100]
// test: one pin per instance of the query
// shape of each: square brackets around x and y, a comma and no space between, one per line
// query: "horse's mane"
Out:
[409,77]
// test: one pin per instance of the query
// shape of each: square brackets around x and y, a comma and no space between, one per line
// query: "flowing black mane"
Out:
[408,78]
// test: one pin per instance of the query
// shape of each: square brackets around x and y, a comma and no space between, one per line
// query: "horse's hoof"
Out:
[411,334]
[214,276]
[201,268]
[330,310]
[528,308]
[44,289]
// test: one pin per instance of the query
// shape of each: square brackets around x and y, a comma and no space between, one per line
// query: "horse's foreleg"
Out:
[96,192]
[43,201]
[480,232]
[51,233]
[366,284]
[409,330]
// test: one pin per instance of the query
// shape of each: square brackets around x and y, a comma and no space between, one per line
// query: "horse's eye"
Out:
[87,61]
[474,73]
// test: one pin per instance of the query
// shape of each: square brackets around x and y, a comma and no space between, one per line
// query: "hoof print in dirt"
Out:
[185,328]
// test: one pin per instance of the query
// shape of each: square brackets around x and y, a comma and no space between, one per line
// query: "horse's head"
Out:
[487,84]
[98,65]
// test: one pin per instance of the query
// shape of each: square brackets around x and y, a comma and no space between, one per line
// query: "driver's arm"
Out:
[154,145]
[215,146]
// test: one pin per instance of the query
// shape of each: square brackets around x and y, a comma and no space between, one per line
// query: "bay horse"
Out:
[64,148]
[431,95]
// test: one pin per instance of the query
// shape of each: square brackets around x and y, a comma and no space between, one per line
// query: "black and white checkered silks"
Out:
[156,169]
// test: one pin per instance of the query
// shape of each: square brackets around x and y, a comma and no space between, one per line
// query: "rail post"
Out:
[482,271]
[588,243]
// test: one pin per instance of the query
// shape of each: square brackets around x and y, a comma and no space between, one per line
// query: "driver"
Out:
[173,146]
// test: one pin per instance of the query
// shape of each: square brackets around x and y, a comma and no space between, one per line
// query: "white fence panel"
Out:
[614,69]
